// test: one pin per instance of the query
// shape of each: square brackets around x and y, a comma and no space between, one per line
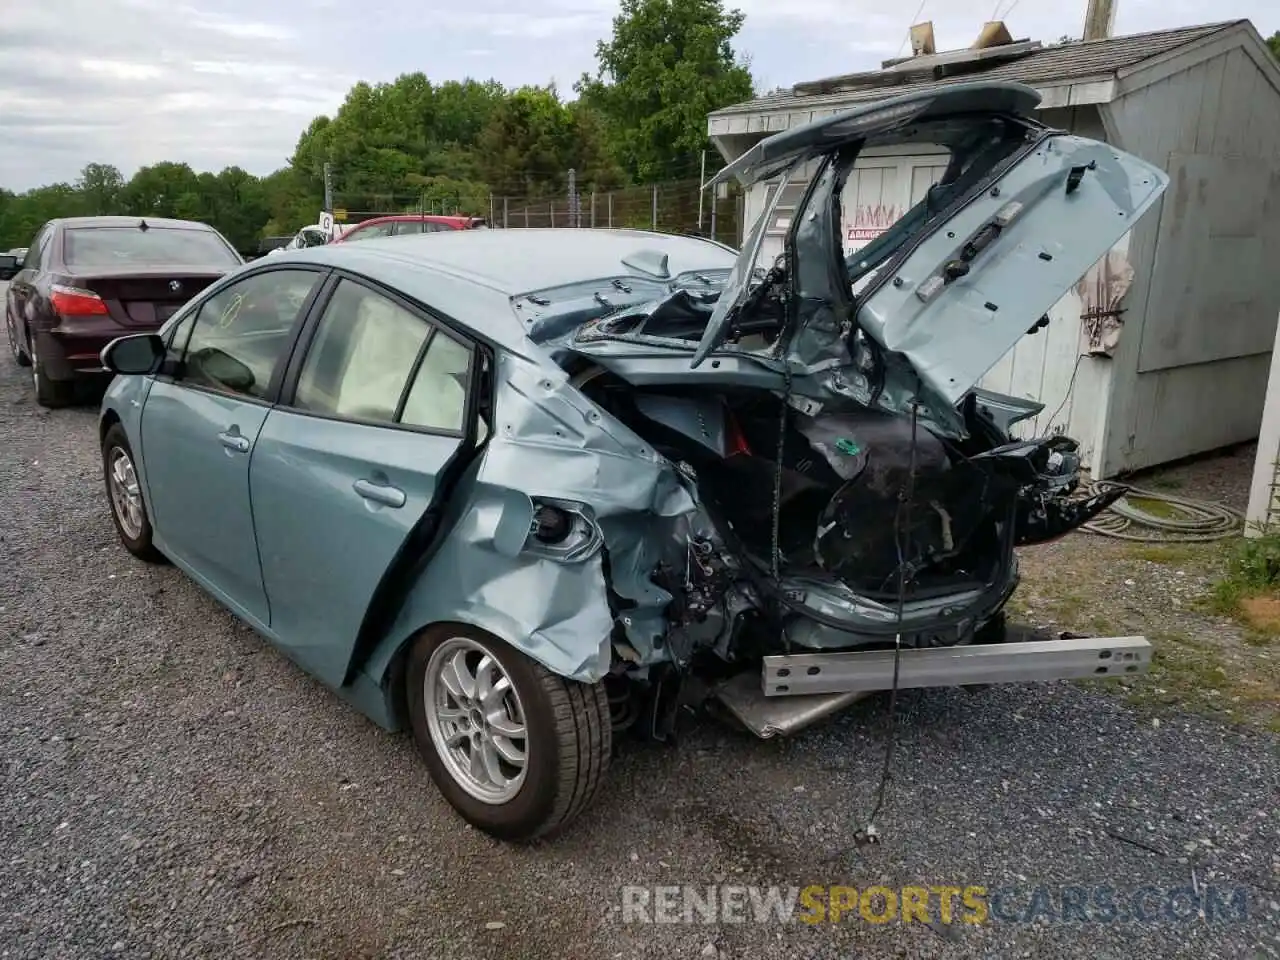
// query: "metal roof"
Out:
[1048,65]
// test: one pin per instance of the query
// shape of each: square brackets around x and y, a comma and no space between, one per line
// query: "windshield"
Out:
[154,246]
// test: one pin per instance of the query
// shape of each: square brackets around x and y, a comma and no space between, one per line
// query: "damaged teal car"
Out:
[519,491]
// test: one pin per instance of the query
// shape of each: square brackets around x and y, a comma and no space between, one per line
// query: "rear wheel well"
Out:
[393,684]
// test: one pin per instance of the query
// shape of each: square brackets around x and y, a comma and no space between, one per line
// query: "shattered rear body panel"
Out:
[732,440]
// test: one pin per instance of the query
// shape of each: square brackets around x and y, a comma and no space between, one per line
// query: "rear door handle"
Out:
[234,441]
[382,493]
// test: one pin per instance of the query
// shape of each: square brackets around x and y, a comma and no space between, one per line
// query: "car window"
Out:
[155,246]
[362,356]
[243,331]
[177,336]
[438,397]
[404,227]
[377,230]
[32,259]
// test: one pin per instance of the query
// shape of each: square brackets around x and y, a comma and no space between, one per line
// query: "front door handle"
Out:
[234,441]
[382,493]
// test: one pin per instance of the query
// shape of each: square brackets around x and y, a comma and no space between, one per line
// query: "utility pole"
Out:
[1099,19]
[328,187]
[573,197]
[702,179]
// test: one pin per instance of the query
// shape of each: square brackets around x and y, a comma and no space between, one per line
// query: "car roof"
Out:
[523,260]
[472,275]
[397,217]
[164,222]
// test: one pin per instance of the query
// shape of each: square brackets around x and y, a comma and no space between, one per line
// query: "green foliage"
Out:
[533,139]
[413,144]
[1273,42]
[1252,568]
[668,64]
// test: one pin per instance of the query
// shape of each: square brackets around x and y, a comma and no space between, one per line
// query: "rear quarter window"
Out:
[369,233]
[155,246]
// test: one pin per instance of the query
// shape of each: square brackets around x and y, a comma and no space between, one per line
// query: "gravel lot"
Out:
[171,787]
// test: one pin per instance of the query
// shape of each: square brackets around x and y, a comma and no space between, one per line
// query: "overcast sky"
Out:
[220,82]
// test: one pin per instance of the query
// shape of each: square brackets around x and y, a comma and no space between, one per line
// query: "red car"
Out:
[401,224]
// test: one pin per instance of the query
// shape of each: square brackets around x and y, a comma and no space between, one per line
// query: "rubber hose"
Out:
[1196,521]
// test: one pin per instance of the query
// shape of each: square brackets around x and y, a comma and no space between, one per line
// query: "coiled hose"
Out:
[1188,521]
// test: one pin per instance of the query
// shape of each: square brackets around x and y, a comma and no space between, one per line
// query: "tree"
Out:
[386,134]
[668,64]
[533,139]
[1273,42]
[102,189]
[162,190]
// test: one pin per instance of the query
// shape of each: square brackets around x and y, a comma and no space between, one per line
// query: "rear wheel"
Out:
[15,348]
[518,751]
[49,393]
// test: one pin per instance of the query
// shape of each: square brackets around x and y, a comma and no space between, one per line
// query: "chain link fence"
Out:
[675,206]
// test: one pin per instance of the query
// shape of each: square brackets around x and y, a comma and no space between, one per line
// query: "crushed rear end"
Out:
[853,499]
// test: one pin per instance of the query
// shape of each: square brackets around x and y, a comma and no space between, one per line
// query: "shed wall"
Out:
[1192,366]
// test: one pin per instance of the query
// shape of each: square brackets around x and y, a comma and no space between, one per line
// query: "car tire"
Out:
[134,527]
[15,347]
[567,736]
[49,393]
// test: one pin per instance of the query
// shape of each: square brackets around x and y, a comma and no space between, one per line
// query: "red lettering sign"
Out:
[868,221]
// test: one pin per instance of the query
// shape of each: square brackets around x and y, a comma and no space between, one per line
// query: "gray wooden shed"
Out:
[1183,367]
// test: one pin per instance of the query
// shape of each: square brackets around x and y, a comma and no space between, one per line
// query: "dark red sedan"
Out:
[396,225]
[87,280]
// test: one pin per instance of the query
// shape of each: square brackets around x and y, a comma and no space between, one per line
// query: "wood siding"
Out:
[1191,371]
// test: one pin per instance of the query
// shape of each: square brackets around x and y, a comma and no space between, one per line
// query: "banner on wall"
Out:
[866,222]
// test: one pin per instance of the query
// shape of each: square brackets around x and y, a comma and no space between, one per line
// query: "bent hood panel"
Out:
[977,281]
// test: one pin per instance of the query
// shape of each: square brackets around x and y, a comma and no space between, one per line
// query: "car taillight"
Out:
[735,439]
[74,302]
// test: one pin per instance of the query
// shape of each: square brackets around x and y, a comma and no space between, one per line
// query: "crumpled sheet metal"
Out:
[550,441]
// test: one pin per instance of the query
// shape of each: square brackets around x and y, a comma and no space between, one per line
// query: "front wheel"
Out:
[518,751]
[124,493]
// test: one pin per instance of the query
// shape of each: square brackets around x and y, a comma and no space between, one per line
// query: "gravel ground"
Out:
[171,787]
[1205,660]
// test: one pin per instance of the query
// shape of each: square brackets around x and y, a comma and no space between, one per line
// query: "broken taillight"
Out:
[735,440]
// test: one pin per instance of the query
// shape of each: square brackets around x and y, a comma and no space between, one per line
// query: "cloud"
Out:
[219,82]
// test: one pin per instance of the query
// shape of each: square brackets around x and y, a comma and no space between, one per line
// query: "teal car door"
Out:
[349,465]
[200,422]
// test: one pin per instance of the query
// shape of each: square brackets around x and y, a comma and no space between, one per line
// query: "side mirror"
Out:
[9,266]
[140,353]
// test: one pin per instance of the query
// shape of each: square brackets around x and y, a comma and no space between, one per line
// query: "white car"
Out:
[312,235]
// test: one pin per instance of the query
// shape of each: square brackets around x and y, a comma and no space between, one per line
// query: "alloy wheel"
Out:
[476,720]
[126,496]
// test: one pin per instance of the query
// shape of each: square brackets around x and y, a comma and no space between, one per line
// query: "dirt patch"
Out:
[1207,658]
[1262,613]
